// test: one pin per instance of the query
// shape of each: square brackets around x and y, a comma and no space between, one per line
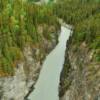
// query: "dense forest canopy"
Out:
[19,20]
[84,15]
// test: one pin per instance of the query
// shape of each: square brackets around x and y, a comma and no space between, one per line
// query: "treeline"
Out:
[84,15]
[19,22]
[73,11]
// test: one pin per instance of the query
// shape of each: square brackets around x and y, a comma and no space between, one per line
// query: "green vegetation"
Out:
[84,15]
[24,23]
[19,21]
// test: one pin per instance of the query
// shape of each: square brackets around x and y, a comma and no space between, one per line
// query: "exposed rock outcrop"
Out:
[80,78]
[18,87]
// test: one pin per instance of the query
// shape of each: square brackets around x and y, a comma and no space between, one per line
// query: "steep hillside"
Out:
[81,74]
[28,32]
[23,24]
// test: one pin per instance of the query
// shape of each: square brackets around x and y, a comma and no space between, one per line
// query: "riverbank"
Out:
[17,87]
[78,75]
[51,70]
[81,72]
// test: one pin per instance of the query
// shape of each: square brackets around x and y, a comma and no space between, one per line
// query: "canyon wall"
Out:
[80,78]
[18,86]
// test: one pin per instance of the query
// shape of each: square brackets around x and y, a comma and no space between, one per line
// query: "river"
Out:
[47,85]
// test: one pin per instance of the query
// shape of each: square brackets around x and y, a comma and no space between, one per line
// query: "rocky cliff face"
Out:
[80,78]
[18,87]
